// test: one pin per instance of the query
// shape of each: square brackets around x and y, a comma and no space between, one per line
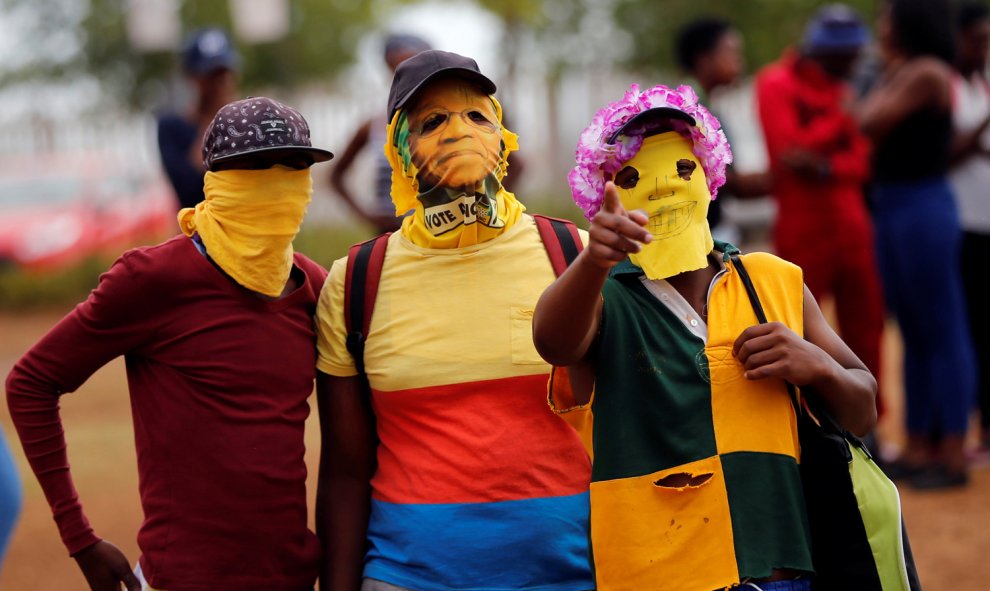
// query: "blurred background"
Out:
[82,83]
[85,79]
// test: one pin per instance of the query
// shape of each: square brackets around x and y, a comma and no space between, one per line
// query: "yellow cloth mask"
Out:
[248,221]
[666,181]
[448,152]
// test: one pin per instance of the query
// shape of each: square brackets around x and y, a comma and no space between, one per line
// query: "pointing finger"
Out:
[612,203]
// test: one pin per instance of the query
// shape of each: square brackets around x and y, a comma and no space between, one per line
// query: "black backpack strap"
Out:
[761,315]
[561,240]
[802,405]
[364,271]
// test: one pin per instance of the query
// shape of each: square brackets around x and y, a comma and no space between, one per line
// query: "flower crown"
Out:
[596,158]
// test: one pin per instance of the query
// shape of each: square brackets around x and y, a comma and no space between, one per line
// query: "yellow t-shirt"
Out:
[473,468]
[469,308]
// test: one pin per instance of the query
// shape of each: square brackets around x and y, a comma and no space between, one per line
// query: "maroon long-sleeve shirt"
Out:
[219,380]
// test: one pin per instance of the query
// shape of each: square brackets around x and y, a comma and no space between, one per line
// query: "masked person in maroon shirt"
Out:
[216,329]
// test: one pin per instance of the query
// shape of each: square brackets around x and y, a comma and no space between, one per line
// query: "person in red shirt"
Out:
[216,328]
[820,162]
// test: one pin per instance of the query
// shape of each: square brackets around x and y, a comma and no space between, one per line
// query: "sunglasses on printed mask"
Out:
[437,119]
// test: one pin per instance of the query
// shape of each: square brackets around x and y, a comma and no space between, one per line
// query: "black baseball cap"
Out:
[417,71]
[649,120]
[258,126]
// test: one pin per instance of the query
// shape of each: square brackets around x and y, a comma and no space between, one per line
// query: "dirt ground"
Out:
[948,530]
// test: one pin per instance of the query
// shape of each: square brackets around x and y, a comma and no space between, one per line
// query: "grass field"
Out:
[948,530]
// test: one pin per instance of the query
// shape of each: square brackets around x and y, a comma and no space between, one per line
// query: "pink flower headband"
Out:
[596,158]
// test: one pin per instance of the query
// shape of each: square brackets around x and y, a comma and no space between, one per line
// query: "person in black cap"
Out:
[398,48]
[210,63]
[821,161]
[696,484]
[216,328]
[461,478]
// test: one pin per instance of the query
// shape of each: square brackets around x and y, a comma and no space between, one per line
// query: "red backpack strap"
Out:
[364,270]
[561,239]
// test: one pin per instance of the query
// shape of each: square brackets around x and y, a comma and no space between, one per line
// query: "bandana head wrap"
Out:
[248,221]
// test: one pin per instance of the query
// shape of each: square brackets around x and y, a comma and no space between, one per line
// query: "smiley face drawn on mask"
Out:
[666,181]
[662,181]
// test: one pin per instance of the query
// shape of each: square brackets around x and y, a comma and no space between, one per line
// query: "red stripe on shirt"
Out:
[485,441]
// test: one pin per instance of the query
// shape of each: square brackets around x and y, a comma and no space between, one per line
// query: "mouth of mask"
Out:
[671,220]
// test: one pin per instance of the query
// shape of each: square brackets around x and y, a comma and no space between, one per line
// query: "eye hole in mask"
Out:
[685,167]
[437,120]
[627,178]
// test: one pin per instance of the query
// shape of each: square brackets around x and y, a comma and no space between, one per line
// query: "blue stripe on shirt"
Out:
[532,544]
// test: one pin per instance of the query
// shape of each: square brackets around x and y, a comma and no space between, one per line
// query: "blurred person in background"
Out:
[710,51]
[820,161]
[380,215]
[10,496]
[970,179]
[216,329]
[448,469]
[908,116]
[210,64]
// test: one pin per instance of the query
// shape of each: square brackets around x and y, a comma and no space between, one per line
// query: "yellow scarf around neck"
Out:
[507,210]
[248,221]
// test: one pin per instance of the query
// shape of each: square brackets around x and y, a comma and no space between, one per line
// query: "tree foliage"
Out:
[768,26]
[322,40]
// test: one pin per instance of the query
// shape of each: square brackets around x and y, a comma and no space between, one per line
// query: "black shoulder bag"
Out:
[858,539]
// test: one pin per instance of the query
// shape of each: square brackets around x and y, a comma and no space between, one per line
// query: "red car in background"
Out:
[59,210]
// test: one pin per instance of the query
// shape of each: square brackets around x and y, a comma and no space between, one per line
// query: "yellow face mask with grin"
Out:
[666,181]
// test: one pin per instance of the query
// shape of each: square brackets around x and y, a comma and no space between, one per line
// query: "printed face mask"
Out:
[454,136]
[666,181]
[448,153]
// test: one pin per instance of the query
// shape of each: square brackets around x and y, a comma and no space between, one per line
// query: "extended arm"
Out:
[338,176]
[343,495]
[821,361]
[106,325]
[755,183]
[340,168]
[33,399]
[569,312]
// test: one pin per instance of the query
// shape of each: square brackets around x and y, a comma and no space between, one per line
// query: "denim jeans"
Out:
[803,584]
[11,496]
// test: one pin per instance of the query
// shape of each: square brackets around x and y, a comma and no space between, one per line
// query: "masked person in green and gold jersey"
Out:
[695,479]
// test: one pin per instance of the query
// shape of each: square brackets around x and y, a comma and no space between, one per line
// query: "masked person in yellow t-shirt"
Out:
[695,484]
[461,477]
